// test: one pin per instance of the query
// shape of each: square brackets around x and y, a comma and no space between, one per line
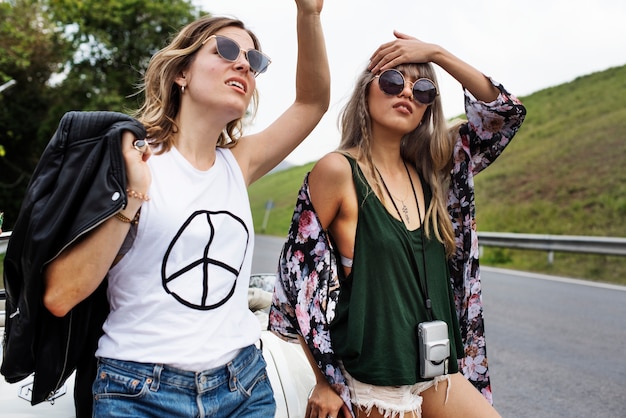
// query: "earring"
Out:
[182,89]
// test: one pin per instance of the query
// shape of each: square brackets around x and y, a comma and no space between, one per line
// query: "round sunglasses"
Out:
[230,50]
[392,82]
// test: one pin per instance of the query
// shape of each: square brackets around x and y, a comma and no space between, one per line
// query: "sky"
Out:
[527,46]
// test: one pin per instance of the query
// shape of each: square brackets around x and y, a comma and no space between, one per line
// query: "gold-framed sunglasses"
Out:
[392,82]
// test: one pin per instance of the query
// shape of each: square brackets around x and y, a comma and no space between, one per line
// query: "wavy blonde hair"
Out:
[162,95]
[429,147]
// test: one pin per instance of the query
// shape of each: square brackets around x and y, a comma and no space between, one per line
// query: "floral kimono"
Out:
[307,288]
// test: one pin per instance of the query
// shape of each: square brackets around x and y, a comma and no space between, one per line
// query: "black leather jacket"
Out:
[79,182]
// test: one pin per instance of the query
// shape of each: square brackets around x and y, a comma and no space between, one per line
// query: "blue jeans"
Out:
[241,388]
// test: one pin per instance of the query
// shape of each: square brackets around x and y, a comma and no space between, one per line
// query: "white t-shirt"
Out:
[179,296]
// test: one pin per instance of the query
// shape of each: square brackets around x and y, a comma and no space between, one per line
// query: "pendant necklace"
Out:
[404,208]
[428,303]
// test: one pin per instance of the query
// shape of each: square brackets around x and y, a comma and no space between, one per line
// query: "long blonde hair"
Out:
[162,95]
[429,147]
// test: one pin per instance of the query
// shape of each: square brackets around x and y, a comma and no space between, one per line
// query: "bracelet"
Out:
[137,195]
[127,220]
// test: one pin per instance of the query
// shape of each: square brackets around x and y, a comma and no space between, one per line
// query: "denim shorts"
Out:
[240,388]
[391,401]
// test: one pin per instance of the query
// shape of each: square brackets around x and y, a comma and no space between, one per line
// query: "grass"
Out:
[282,189]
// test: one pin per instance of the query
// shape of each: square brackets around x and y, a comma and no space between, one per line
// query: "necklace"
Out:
[404,208]
[427,302]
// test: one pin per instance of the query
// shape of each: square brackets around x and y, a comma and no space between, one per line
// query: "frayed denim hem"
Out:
[391,401]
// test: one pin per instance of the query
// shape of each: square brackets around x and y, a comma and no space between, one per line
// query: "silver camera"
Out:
[434,348]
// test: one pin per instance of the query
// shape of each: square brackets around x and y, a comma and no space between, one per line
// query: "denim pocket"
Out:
[253,375]
[116,382]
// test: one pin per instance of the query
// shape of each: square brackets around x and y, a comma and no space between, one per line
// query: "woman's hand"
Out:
[138,174]
[324,402]
[407,49]
[404,49]
[310,6]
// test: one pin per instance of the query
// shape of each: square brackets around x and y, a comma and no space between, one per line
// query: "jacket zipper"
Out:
[67,347]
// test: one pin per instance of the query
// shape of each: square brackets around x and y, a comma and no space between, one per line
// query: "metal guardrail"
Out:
[549,243]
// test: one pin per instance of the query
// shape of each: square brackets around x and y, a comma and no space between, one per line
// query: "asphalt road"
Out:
[556,346]
[266,252]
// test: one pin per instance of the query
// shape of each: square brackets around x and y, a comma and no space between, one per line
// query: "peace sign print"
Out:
[202,263]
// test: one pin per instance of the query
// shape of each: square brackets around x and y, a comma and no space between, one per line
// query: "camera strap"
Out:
[424,286]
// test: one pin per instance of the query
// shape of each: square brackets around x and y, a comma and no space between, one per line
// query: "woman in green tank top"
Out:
[386,201]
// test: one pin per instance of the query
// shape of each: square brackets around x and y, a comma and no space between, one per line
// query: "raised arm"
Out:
[259,153]
[79,269]
[406,49]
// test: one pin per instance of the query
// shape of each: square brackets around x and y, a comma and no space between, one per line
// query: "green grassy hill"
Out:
[563,174]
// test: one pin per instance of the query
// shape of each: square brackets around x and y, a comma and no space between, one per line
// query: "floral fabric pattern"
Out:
[307,288]
[489,129]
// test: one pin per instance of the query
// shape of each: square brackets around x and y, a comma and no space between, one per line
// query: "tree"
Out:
[71,55]
[114,40]
[32,48]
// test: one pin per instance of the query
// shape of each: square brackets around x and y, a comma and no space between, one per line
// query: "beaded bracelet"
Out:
[127,220]
[137,195]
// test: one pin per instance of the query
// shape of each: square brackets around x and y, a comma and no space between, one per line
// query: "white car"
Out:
[289,371]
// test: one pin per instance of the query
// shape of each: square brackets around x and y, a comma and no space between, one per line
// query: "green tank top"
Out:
[374,331]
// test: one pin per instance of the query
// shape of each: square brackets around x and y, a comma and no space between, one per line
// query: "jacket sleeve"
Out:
[490,128]
[307,290]
[79,182]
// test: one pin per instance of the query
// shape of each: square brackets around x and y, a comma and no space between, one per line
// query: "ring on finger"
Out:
[140,145]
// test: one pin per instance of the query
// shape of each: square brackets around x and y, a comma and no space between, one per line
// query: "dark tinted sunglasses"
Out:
[229,50]
[392,82]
